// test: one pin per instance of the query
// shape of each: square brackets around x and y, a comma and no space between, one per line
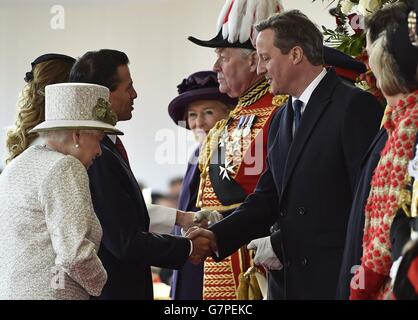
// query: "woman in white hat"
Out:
[49,233]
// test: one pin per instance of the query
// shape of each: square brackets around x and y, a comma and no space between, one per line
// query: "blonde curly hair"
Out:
[31,104]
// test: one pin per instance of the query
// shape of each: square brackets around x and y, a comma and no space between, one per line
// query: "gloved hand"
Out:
[212,217]
[203,219]
[264,254]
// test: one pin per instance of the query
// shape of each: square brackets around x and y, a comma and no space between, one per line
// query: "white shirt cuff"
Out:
[191,247]
[162,219]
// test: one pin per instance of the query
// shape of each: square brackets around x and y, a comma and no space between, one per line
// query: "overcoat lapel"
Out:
[317,105]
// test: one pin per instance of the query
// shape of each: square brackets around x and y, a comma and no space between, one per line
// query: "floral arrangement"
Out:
[348,35]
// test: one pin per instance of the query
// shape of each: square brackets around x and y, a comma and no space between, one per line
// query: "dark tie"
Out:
[297,105]
[121,149]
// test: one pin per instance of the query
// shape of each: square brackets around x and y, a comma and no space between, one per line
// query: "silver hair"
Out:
[59,136]
[62,136]
[246,52]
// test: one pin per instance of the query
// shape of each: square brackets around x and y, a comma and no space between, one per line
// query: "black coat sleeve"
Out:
[119,205]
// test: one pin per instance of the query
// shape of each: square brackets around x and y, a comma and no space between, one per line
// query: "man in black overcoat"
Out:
[316,142]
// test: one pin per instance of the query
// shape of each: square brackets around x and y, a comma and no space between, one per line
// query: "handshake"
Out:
[194,226]
[204,244]
[202,219]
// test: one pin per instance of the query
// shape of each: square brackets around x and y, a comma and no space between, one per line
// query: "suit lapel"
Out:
[318,103]
[112,148]
[109,145]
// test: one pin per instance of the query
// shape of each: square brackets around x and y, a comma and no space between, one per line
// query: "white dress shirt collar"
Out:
[307,93]
[112,138]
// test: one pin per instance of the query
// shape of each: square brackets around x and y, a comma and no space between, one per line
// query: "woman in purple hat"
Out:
[198,106]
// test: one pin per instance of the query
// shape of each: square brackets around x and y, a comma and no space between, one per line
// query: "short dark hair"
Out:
[293,28]
[156,196]
[99,67]
[174,181]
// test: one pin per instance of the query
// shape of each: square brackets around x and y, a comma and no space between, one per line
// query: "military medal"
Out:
[250,122]
[226,169]
[223,139]
[236,145]
[244,124]
[237,131]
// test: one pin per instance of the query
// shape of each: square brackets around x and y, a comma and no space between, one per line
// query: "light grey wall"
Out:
[154,35]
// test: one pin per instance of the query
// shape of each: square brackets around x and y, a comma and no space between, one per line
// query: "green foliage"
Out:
[352,45]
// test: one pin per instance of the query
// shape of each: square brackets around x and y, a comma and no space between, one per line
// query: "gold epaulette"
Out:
[280,100]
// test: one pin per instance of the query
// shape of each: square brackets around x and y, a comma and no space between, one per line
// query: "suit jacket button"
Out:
[301,211]
[283,213]
[272,229]
[304,262]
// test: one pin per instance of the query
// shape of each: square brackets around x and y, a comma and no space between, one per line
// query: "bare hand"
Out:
[204,244]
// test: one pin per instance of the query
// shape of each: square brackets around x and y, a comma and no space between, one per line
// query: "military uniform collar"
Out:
[254,93]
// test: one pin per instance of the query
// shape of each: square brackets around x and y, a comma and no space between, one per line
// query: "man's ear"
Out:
[296,54]
[253,59]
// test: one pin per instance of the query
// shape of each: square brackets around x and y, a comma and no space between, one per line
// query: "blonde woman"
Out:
[46,69]
[393,59]
[49,233]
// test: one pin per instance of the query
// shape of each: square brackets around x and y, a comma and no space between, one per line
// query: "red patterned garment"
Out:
[413,274]
[372,280]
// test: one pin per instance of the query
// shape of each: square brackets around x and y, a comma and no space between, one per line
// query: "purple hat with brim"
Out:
[202,85]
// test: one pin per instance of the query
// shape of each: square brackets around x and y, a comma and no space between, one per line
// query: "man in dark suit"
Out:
[128,249]
[301,204]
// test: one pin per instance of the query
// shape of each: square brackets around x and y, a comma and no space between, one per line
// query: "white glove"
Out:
[264,254]
[211,216]
[204,219]
[394,269]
